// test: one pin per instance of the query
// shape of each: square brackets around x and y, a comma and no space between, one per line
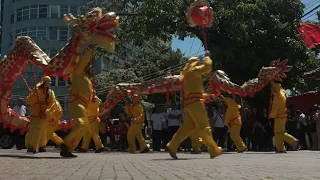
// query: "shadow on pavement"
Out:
[30,157]
[171,159]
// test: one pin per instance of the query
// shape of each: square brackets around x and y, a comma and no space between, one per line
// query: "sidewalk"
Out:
[117,165]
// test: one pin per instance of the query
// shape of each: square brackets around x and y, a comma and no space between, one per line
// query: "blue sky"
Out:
[193,46]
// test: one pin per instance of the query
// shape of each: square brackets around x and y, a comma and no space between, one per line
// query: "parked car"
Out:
[6,138]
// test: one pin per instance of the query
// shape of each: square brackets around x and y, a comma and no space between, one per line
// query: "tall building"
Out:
[42,21]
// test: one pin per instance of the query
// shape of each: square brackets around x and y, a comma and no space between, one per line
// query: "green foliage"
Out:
[105,81]
[246,35]
[155,58]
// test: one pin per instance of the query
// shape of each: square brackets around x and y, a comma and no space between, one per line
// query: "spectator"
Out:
[220,131]
[316,117]
[157,120]
[174,116]
[21,110]
[302,129]
[312,128]
[164,129]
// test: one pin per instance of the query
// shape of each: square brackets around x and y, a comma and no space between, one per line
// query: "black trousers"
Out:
[164,138]
[17,139]
[156,139]
[220,135]
[171,131]
[302,137]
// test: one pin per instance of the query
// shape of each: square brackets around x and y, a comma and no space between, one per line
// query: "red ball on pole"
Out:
[200,14]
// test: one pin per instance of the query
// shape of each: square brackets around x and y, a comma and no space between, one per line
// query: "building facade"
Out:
[42,21]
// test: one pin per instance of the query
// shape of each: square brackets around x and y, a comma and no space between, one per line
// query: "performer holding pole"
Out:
[195,113]
[233,119]
[135,131]
[40,100]
[54,117]
[80,96]
[93,128]
[279,114]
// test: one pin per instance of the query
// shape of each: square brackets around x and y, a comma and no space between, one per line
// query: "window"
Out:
[25,13]
[24,32]
[18,32]
[61,100]
[64,10]
[34,12]
[54,11]
[42,33]
[19,14]
[12,18]
[61,82]
[32,33]
[43,11]
[53,31]
[63,34]
[53,52]
[73,10]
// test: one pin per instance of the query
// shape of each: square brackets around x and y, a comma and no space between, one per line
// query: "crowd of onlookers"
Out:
[256,132]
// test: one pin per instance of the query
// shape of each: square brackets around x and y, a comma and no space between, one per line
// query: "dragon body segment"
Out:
[90,29]
[218,82]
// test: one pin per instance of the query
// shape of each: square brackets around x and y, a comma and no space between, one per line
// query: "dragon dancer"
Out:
[135,130]
[279,114]
[195,113]
[93,129]
[41,100]
[80,96]
[233,120]
[53,124]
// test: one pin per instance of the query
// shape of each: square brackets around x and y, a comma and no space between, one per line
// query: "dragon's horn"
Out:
[70,19]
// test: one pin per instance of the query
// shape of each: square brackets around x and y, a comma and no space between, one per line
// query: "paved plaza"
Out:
[117,165]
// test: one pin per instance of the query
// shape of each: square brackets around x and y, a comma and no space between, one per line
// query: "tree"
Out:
[246,35]
[155,58]
[105,81]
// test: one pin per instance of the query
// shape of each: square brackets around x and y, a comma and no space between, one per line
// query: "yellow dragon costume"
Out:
[135,130]
[279,114]
[54,117]
[80,97]
[93,128]
[41,100]
[195,113]
[233,120]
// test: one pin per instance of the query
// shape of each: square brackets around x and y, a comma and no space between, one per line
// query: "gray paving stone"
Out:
[156,166]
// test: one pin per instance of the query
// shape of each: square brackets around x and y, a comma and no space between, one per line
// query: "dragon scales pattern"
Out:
[94,28]
[218,82]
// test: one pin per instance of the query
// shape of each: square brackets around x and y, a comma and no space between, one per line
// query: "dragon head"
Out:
[95,28]
[275,71]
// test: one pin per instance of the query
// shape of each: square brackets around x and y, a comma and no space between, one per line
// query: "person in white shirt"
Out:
[302,129]
[174,120]
[220,131]
[157,120]
[21,110]
[164,128]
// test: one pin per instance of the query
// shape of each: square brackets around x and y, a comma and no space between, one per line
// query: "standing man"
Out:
[174,120]
[157,120]
[21,110]
[135,130]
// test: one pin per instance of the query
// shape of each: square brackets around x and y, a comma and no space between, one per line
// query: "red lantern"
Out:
[200,14]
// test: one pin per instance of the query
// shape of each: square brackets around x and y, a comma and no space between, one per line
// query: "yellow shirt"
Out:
[38,101]
[136,111]
[80,83]
[192,81]
[232,116]
[55,114]
[93,109]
